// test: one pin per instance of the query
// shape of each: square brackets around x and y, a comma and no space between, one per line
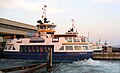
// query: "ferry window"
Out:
[85,48]
[83,39]
[46,50]
[77,47]
[69,47]
[69,39]
[76,39]
[19,41]
[5,47]
[24,48]
[28,48]
[13,48]
[9,48]
[62,48]
[41,49]
[37,48]
[55,40]
[32,48]
[21,48]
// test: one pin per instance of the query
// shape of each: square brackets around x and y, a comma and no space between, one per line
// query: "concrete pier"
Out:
[106,56]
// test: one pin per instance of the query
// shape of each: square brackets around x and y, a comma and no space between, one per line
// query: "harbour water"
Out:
[84,66]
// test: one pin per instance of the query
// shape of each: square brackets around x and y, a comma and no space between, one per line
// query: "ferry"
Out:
[96,46]
[66,47]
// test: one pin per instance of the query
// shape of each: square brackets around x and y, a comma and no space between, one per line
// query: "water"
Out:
[84,66]
[89,66]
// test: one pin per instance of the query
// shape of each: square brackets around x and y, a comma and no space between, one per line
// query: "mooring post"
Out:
[49,59]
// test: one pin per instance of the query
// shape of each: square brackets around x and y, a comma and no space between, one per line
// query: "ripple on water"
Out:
[82,66]
[89,66]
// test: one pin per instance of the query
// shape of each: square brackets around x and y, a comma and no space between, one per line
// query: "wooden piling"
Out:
[49,59]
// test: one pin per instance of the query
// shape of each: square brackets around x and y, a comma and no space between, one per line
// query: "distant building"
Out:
[11,29]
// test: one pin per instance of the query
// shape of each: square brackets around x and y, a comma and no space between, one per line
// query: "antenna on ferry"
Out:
[44,11]
[88,36]
[99,42]
[44,19]
[73,24]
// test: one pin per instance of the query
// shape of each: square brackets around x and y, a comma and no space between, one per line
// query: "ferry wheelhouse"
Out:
[66,47]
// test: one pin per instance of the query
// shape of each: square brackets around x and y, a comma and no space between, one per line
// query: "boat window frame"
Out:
[55,39]
[13,48]
[62,48]
[9,47]
[69,39]
[76,39]
[85,48]
[5,48]
[66,47]
[78,46]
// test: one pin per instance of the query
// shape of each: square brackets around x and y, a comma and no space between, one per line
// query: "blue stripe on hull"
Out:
[70,57]
[42,57]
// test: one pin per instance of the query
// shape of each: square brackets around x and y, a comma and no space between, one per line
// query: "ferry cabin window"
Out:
[93,47]
[69,39]
[98,47]
[37,48]
[19,41]
[13,48]
[33,48]
[69,47]
[5,47]
[85,48]
[22,48]
[55,40]
[76,39]
[9,47]
[83,39]
[62,48]
[29,48]
[77,47]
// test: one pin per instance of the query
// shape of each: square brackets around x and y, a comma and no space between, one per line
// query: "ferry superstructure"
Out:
[66,47]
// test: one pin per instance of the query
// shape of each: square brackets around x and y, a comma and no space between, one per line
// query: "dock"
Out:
[108,53]
[106,56]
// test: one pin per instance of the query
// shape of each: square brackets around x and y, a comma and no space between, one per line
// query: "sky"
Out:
[99,18]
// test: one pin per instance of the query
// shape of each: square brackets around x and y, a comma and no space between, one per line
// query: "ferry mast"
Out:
[45,28]
[44,11]
[71,31]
